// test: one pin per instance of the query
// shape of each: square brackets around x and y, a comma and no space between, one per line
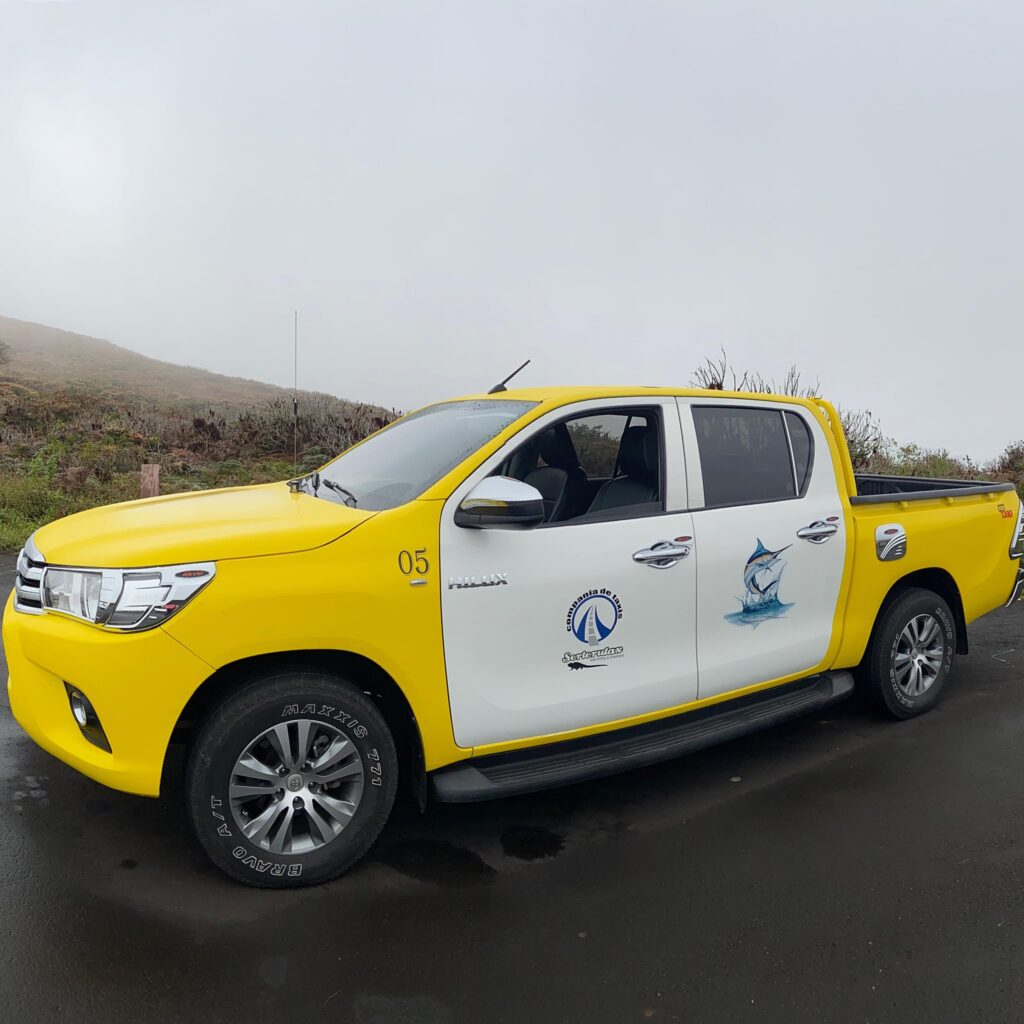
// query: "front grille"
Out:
[27,594]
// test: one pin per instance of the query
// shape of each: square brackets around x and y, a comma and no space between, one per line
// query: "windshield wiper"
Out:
[350,498]
[315,480]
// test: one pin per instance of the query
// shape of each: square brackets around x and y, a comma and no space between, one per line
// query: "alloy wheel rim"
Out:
[296,787]
[919,654]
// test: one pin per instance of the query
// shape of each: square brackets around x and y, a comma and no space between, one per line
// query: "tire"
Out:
[911,653]
[291,780]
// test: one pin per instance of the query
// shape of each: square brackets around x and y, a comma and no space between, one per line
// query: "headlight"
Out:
[123,599]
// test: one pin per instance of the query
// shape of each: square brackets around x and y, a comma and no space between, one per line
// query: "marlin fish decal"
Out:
[759,575]
[761,578]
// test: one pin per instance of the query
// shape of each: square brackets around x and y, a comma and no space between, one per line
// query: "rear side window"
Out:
[803,450]
[744,455]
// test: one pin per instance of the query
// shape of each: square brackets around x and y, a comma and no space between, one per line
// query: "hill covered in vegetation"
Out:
[79,416]
[46,357]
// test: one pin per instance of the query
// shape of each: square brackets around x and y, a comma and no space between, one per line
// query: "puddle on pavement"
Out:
[430,860]
[530,842]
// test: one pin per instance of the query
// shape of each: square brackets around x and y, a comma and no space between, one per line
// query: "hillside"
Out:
[46,357]
[80,416]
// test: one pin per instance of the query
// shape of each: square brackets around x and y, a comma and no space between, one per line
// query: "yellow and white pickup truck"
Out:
[493,595]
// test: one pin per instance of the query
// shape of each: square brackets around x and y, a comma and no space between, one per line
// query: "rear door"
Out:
[770,540]
[560,627]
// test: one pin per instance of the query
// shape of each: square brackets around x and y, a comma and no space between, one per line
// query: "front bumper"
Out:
[138,684]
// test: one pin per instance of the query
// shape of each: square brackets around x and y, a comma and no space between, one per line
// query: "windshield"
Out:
[401,461]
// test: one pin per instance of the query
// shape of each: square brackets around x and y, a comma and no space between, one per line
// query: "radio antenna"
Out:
[501,387]
[295,396]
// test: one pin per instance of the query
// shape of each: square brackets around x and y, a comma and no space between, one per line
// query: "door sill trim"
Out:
[591,757]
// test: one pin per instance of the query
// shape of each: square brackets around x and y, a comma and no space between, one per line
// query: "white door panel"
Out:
[580,635]
[739,648]
[767,597]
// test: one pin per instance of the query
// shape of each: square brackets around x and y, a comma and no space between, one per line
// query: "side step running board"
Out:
[557,764]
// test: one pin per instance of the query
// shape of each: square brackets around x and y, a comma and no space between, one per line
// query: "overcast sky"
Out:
[611,189]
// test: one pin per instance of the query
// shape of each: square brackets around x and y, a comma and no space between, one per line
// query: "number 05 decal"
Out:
[410,562]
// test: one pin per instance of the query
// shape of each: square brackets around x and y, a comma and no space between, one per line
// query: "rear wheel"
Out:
[291,780]
[911,653]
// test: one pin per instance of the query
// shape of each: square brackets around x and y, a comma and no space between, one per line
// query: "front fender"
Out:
[352,596]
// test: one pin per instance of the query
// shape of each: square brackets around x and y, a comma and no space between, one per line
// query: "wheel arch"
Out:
[940,582]
[356,668]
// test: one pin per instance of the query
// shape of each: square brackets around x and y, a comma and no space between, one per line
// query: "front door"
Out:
[560,627]
[770,542]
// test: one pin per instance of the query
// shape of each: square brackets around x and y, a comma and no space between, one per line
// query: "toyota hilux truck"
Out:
[492,595]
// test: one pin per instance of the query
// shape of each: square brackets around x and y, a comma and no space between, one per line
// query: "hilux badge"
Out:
[494,579]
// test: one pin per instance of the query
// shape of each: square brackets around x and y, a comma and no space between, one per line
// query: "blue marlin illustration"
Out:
[761,578]
[758,575]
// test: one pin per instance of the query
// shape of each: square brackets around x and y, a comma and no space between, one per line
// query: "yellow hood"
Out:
[199,526]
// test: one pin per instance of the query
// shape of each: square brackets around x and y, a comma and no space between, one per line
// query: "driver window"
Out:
[598,466]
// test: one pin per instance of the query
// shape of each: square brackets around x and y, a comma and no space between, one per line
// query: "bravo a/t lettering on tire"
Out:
[291,780]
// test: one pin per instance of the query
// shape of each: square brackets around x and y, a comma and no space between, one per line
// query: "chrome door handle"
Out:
[662,554]
[818,532]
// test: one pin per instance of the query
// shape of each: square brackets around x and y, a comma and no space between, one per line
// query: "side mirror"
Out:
[500,501]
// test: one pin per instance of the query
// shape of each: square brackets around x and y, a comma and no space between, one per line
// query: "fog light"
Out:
[86,718]
[78,708]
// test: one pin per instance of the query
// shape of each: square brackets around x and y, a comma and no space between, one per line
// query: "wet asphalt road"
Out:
[839,868]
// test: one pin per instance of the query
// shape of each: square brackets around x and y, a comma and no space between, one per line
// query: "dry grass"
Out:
[78,419]
[45,357]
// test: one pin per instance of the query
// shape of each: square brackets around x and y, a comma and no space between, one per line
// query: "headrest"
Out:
[556,448]
[638,452]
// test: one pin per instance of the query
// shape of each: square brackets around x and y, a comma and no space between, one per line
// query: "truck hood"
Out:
[200,526]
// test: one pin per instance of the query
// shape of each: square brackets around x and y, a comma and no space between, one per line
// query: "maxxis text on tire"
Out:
[291,780]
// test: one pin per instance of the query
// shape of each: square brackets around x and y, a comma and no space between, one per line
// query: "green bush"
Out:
[46,461]
[67,449]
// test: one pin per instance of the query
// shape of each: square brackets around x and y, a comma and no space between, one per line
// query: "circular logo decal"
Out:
[294,783]
[594,618]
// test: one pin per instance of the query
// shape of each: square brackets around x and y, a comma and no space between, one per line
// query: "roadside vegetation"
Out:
[65,447]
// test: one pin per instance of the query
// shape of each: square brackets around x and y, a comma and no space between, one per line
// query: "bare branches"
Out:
[863,432]
[712,374]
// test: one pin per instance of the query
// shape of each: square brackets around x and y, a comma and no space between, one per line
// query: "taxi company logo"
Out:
[596,655]
[593,616]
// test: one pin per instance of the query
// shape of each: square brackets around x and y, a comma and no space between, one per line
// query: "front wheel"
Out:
[911,653]
[291,780]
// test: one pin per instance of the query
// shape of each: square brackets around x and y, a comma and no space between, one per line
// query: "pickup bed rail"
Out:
[875,489]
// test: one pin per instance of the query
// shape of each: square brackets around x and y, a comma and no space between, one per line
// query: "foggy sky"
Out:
[612,189]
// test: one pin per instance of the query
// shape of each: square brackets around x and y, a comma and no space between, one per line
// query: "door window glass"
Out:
[603,465]
[744,455]
[803,449]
